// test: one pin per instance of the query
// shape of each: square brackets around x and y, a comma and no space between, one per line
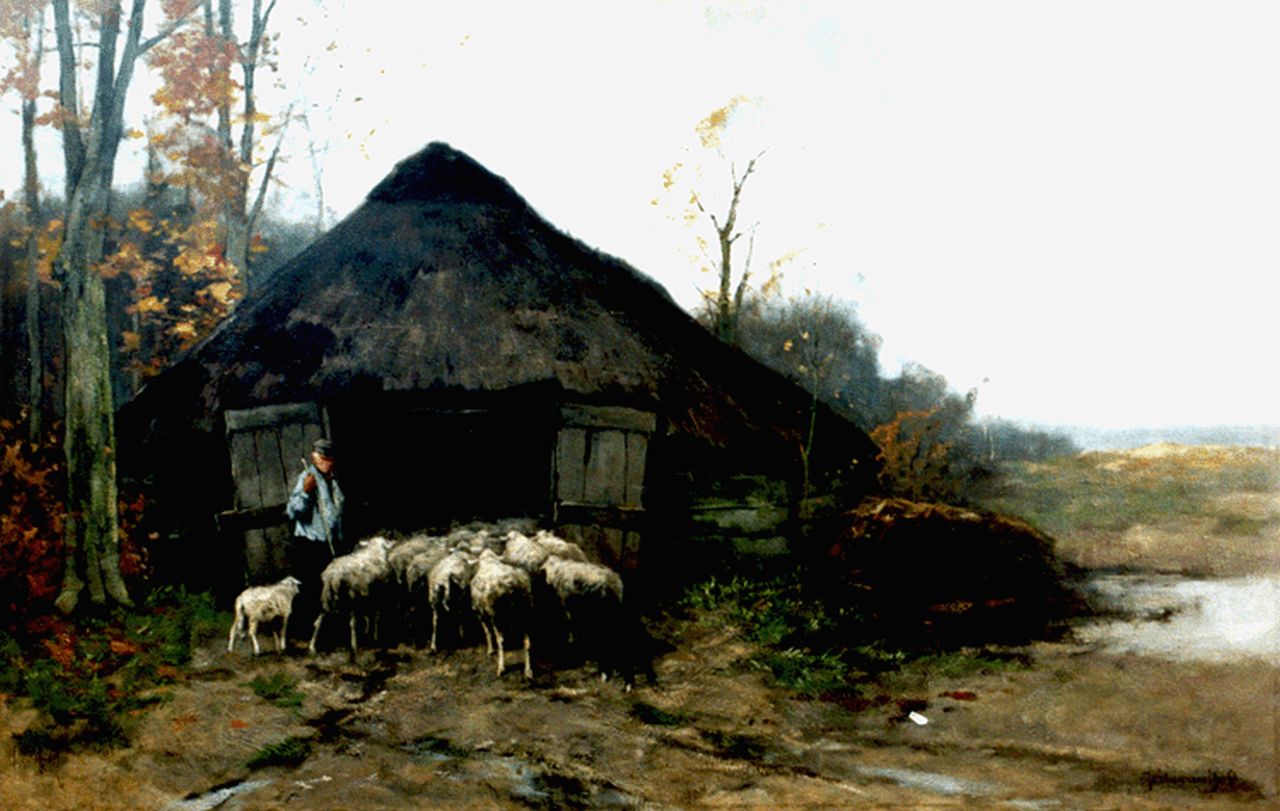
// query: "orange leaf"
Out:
[183,721]
[122,647]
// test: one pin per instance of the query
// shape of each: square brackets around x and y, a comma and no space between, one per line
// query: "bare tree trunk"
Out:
[727,302]
[31,194]
[92,546]
[317,174]
[241,218]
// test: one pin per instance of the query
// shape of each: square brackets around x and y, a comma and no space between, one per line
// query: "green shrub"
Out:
[805,672]
[89,678]
[278,689]
[291,751]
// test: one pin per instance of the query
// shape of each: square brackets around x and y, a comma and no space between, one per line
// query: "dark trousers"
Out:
[307,559]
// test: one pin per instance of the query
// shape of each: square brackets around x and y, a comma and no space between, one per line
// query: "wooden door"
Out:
[267,448]
[599,470]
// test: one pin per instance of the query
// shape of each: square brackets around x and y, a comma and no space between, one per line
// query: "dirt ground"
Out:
[1074,727]
[408,729]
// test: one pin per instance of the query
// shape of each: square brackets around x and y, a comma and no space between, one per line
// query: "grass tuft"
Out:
[278,689]
[291,751]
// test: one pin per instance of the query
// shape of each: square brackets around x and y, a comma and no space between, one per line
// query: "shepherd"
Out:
[315,507]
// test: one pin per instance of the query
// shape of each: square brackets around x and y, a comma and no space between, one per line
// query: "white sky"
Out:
[1077,202]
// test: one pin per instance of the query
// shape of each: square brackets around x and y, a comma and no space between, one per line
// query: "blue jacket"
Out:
[316,515]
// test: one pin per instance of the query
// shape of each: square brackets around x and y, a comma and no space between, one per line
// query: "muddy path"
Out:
[1072,726]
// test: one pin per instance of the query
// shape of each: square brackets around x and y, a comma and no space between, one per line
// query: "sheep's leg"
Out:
[253,634]
[284,626]
[353,635]
[488,638]
[315,633]
[528,665]
[231,639]
[501,661]
[434,623]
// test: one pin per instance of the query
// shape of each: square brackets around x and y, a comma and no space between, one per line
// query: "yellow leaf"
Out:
[140,219]
[135,134]
[184,329]
[151,304]
[221,291]
[130,341]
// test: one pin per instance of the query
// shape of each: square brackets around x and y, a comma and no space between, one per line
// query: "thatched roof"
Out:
[445,280]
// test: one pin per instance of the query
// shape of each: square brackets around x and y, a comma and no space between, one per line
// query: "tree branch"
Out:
[256,211]
[72,137]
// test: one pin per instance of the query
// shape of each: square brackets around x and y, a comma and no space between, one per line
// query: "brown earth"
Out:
[1074,727]
[409,729]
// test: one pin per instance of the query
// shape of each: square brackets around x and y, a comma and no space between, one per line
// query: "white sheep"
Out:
[556,545]
[593,594]
[448,589]
[530,553]
[503,599]
[524,552]
[399,557]
[260,604]
[352,583]
[412,590]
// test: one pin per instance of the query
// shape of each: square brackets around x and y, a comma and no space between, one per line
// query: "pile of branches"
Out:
[914,569]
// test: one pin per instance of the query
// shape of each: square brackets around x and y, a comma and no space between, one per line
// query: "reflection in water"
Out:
[1189,620]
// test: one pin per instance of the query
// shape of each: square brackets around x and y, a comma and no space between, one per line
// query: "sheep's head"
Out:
[291,583]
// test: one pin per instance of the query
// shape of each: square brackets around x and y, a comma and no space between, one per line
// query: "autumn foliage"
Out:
[32,512]
[915,463]
[31,517]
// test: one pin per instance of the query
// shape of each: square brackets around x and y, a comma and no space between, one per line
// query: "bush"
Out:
[89,679]
[803,642]
[31,511]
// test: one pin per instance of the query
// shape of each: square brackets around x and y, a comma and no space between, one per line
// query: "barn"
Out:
[471,361]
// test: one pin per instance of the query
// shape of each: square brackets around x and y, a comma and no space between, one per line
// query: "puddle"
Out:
[929,781]
[524,782]
[1186,619]
[218,796]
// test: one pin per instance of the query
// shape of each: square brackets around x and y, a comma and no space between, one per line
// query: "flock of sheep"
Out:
[514,583]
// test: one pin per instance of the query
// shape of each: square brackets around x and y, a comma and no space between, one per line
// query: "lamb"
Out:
[448,588]
[502,597]
[259,604]
[593,594]
[352,583]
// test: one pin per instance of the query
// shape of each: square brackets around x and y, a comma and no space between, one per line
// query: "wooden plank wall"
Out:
[267,446]
[599,480]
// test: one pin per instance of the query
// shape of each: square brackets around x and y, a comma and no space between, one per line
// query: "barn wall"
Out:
[598,475]
[267,447]
[746,514]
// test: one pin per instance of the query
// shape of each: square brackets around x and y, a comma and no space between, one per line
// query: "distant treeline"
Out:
[933,446]
[1258,436]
